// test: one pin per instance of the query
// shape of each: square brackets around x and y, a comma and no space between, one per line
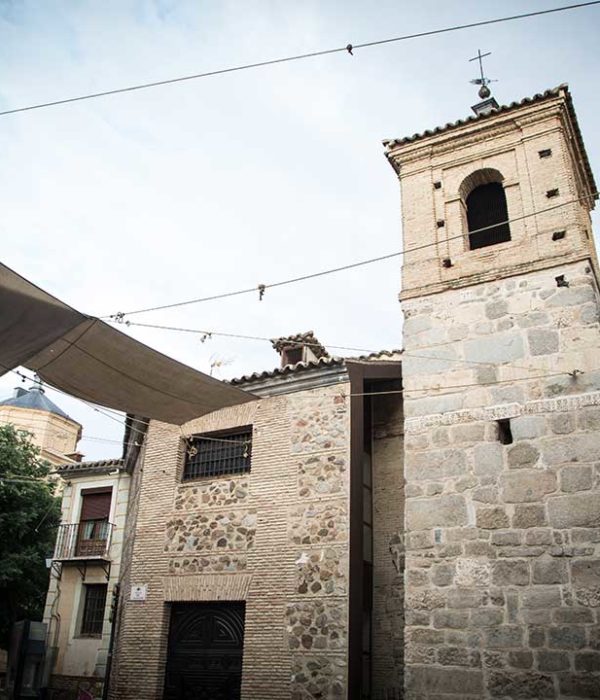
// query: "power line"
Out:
[206,335]
[105,411]
[432,390]
[435,391]
[349,48]
[261,288]
[302,343]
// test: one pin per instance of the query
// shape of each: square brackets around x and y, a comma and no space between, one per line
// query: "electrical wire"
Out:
[301,343]
[107,413]
[261,288]
[437,389]
[208,334]
[349,48]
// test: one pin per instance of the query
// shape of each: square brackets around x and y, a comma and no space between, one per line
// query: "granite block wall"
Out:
[503,489]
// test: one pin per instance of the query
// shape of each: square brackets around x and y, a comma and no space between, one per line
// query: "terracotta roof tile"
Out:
[315,364]
[539,97]
[307,339]
[99,465]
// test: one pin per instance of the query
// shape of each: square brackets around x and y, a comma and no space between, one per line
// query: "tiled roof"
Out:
[539,97]
[100,465]
[301,339]
[322,362]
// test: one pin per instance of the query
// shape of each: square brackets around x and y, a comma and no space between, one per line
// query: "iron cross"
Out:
[483,80]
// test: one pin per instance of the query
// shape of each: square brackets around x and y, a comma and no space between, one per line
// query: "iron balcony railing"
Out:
[85,540]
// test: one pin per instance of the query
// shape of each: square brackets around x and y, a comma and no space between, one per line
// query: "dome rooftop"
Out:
[34,398]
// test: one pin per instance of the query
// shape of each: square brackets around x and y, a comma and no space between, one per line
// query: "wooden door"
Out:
[204,659]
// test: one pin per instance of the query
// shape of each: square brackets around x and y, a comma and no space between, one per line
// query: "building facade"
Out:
[423,524]
[86,568]
[501,373]
[240,583]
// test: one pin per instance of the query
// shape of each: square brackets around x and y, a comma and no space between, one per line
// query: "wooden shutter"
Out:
[95,504]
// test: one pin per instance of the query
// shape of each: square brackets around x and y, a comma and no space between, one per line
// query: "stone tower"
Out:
[501,374]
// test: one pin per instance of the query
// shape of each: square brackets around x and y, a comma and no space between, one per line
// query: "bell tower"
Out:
[526,162]
[501,377]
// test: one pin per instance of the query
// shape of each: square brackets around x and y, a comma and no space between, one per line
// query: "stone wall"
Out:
[503,489]
[277,537]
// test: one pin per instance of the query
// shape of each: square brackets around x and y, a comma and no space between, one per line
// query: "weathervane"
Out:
[484,91]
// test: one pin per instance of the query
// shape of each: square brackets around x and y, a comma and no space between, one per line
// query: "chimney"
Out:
[302,347]
[485,107]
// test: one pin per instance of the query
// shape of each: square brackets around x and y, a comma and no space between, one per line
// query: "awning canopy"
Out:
[91,360]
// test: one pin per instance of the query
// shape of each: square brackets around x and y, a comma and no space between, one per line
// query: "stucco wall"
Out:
[74,655]
[55,435]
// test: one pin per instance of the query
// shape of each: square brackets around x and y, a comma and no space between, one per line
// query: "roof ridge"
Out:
[330,361]
[91,464]
[537,97]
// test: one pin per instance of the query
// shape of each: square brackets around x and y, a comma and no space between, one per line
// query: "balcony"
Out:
[84,541]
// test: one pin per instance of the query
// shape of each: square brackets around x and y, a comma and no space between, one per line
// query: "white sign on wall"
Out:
[139,592]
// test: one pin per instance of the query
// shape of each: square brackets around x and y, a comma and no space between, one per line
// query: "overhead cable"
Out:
[120,316]
[349,48]
[205,335]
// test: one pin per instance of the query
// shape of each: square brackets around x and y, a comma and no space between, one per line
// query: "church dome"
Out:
[34,398]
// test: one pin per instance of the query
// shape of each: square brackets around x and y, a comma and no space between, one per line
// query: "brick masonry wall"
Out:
[276,537]
[503,540]
[509,143]
[388,545]
[125,570]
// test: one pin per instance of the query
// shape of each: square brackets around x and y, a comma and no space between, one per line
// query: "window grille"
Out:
[218,454]
[93,609]
[486,206]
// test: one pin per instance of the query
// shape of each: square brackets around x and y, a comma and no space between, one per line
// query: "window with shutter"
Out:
[95,504]
[93,521]
[486,209]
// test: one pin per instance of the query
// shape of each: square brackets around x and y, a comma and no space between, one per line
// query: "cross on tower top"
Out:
[484,90]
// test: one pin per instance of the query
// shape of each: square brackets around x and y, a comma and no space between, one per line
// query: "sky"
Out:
[207,186]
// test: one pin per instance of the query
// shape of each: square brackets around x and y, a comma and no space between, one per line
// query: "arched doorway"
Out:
[204,659]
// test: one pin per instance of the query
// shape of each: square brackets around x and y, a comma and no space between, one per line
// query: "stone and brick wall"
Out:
[503,530]
[276,537]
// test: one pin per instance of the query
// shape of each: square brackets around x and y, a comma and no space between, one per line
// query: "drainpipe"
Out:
[114,609]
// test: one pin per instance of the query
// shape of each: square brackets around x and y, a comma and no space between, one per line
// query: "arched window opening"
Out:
[486,207]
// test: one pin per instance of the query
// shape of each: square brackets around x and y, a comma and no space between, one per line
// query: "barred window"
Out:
[93,609]
[216,454]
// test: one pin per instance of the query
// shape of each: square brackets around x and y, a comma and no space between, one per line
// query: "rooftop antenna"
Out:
[489,103]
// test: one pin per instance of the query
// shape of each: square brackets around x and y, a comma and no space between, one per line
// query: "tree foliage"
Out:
[29,514]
